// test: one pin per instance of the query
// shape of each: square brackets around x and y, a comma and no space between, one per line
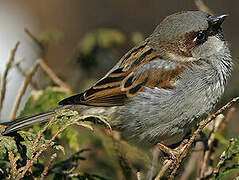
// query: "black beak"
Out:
[217,20]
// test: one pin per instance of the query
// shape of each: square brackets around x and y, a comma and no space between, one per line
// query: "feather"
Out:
[139,68]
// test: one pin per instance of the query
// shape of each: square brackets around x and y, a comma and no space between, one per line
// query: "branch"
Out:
[23,90]
[44,173]
[73,120]
[196,133]
[5,73]
[218,122]
[37,41]
[53,76]
[227,119]
[28,79]
[164,169]
[203,7]
[17,65]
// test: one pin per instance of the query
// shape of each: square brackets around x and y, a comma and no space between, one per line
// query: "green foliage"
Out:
[42,101]
[104,38]
[229,161]
[51,36]
[22,151]
[7,144]
[137,37]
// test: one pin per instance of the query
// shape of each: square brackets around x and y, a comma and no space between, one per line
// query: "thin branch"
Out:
[28,79]
[227,119]
[53,76]
[193,162]
[154,162]
[164,169]
[44,173]
[37,41]
[218,122]
[17,65]
[203,7]
[5,73]
[196,133]
[34,144]
[23,90]
[46,145]
[34,159]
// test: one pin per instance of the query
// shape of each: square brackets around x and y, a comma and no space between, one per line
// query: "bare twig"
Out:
[164,169]
[1,170]
[203,7]
[28,79]
[44,173]
[5,73]
[34,144]
[196,133]
[37,41]
[227,119]
[17,65]
[23,90]
[34,159]
[194,161]
[53,76]
[154,162]
[218,122]
[48,144]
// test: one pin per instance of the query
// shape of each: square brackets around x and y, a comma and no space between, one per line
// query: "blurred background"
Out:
[86,38]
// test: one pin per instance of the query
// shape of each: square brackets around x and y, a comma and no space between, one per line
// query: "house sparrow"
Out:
[161,88]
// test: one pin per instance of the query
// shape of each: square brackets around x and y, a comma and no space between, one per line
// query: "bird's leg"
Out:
[173,153]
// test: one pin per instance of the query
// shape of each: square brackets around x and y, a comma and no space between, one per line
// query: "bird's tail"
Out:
[28,121]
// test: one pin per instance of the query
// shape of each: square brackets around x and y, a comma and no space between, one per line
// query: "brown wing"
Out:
[139,68]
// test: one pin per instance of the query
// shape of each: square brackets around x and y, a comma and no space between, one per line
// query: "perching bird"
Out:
[161,88]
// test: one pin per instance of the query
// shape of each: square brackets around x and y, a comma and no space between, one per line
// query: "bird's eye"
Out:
[201,38]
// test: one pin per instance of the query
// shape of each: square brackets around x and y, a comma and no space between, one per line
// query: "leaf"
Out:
[109,37]
[28,142]
[72,137]
[13,163]
[84,124]
[137,37]
[228,156]
[51,35]
[96,120]
[104,38]
[59,148]
[229,171]
[7,144]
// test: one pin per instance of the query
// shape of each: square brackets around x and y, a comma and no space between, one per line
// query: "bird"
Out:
[163,87]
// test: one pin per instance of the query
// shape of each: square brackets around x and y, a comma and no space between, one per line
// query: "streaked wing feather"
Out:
[139,68]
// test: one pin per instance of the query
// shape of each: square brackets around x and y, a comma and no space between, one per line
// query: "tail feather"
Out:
[27,121]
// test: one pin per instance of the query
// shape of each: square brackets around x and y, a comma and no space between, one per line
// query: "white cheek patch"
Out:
[212,46]
[216,43]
